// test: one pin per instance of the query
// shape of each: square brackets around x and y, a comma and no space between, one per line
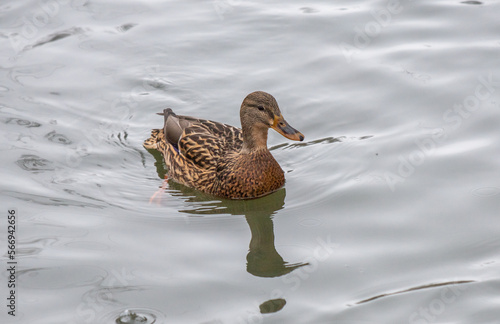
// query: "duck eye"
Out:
[260,108]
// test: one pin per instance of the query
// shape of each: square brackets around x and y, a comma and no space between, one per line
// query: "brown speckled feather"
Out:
[212,163]
[211,157]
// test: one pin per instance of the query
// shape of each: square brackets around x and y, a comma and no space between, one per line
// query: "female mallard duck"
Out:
[223,160]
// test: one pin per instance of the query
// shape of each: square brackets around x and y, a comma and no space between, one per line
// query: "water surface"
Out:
[390,209]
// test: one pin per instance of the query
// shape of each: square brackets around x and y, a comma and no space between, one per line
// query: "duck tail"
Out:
[172,129]
[166,112]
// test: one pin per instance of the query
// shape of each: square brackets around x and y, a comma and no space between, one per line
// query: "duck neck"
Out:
[254,138]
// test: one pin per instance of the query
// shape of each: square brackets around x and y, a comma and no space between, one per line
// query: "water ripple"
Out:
[125,27]
[22,122]
[326,140]
[57,36]
[472,2]
[35,163]
[36,71]
[310,222]
[433,285]
[57,277]
[308,10]
[49,201]
[486,191]
[129,317]
[58,138]
[135,316]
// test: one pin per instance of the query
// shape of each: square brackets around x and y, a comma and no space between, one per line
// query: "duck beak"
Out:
[281,126]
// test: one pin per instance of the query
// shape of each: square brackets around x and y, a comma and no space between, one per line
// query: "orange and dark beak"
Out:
[281,126]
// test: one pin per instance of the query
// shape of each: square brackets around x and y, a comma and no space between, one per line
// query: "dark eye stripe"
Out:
[261,108]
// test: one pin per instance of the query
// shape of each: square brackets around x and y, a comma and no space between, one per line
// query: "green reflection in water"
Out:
[272,306]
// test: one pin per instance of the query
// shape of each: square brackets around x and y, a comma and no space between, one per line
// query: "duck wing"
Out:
[204,142]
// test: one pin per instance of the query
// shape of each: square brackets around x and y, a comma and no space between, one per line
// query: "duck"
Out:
[220,159]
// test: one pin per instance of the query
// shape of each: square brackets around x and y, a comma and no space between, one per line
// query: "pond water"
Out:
[390,209]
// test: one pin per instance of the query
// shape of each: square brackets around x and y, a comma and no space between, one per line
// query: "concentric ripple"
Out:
[135,316]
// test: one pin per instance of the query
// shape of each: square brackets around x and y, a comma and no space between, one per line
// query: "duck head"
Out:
[259,112]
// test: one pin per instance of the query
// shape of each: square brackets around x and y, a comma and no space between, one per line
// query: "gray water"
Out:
[390,209]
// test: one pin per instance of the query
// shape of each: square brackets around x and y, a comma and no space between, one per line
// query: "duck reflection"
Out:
[263,260]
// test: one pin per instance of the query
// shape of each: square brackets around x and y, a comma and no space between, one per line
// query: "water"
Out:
[390,210]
